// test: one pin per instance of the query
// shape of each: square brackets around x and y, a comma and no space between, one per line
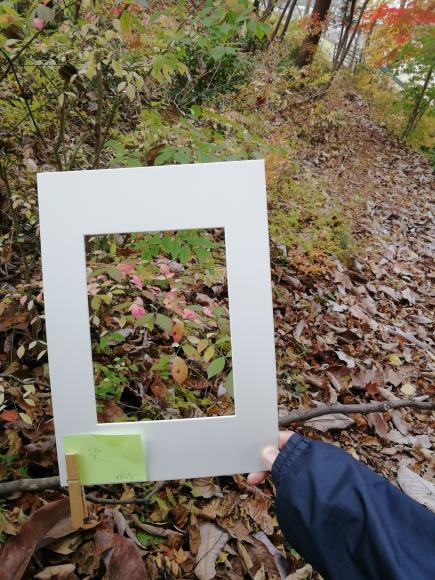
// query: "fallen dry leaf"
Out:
[301,574]
[213,539]
[58,572]
[281,562]
[205,487]
[257,507]
[330,422]
[19,549]
[121,556]
[416,487]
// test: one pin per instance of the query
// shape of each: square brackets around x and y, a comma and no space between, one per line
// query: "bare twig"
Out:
[10,487]
[42,483]
[61,136]
[98,129]
[10,61]
[23,96]
[302,416]
[137,501]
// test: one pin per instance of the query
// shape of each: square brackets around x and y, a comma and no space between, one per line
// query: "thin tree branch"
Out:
[43,483]
[39,484]
[10,61]
[302,416]
[24,97]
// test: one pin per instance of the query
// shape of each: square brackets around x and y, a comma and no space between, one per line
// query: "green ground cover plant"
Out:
[159,322]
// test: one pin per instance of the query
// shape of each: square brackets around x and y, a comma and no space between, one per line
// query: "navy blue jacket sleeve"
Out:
[347,521]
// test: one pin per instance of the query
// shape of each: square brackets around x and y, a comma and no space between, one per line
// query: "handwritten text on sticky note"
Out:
[107,458]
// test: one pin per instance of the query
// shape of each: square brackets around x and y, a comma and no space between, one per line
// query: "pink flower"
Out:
[125,268]
[208,312]
[136,281]
[189,314]
[38,23]
[23,300]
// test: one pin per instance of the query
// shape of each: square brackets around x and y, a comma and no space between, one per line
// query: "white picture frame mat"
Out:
[231,195]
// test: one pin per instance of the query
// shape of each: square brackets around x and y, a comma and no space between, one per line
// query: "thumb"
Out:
[269,455]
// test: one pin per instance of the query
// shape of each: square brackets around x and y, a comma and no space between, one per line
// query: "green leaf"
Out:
[164,322]
[148,539]
[190,351]
[216,367]
[208,355]
[185,254]
[229,385]
[114,273]
[130,91]
[95,302]
[117,68]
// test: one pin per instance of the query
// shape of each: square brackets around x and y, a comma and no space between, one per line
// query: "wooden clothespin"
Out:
[77,500]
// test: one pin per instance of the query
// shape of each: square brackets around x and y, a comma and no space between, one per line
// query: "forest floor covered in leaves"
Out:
[352,242]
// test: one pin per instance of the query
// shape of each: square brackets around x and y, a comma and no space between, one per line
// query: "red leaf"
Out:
[11,415]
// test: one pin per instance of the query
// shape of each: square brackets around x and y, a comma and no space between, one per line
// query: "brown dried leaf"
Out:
[19,549]
[213,539]
[301,574]
[205,487]
[123,558]
[281,562]
[257,508]
[329,422]
[416,487]
[377,421]
[59,572]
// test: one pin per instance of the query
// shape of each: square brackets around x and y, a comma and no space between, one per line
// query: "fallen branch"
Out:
[302,416]
[10,487]
[42,483]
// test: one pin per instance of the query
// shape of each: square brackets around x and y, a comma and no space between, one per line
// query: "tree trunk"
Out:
[310,42]
[289,17]
[278,24]
[347,25]
[268,10]
[414,116]
[346,48]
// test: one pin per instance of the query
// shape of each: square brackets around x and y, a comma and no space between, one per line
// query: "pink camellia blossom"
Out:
[136,281]
[189,314]
[38,23]
[208,312]
[125,268]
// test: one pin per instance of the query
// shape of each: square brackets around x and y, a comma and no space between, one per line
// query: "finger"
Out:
[268,456]
[284,436]
[257,477]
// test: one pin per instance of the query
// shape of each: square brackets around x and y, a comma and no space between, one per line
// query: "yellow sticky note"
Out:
[107,458]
